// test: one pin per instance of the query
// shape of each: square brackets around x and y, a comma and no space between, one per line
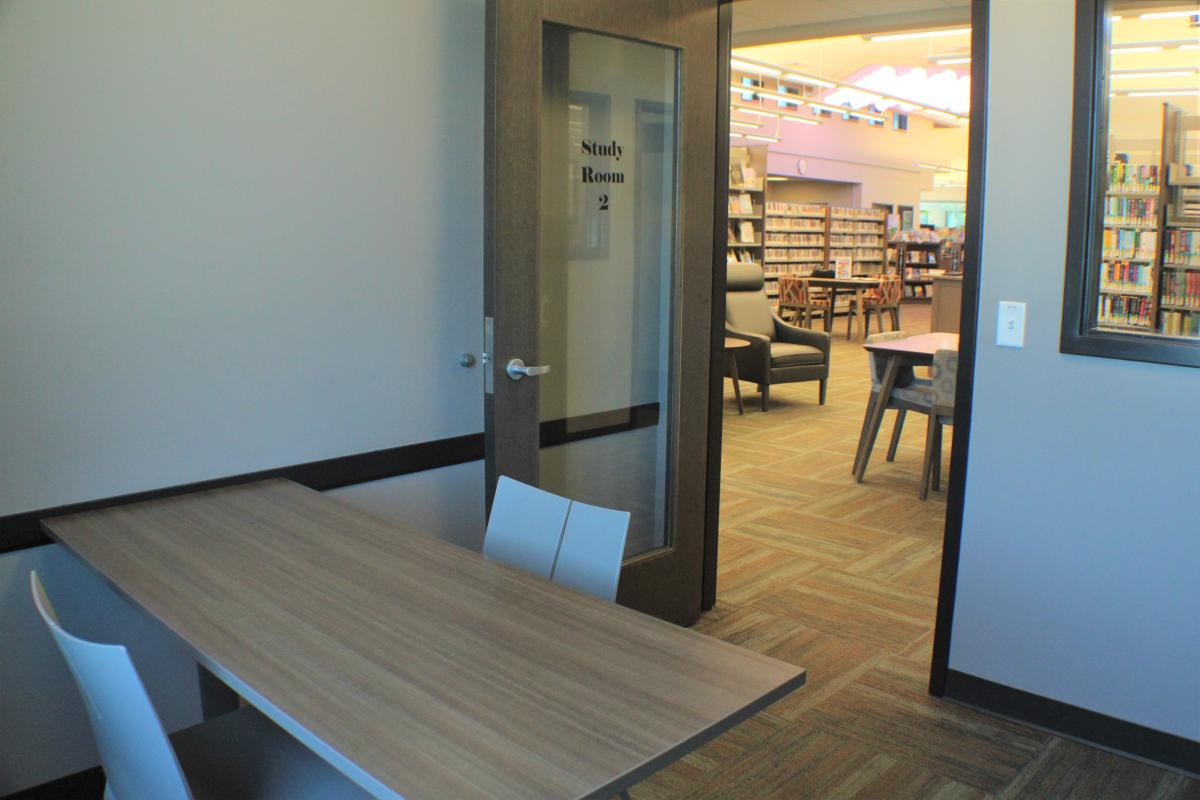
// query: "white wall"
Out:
[236,235]
[233,235]
[1080,554]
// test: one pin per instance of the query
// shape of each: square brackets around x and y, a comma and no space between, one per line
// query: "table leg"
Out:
[829,311]
[737,389]
[881,404]
[862,316]
[862,434]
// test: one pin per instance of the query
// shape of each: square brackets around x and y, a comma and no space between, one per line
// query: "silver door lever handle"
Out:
[516,369]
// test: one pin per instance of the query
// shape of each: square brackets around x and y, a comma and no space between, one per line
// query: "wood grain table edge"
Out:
[796,680]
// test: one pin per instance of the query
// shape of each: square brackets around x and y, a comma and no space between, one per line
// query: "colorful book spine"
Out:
[1182,247]
[1181,288]
[1125,276]
[1124,310]
[1123,177]
[1126,243]
[1130,210]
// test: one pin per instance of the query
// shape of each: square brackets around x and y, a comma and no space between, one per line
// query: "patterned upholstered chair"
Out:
[886,298]
[779,352]
[797,297]
[945,377]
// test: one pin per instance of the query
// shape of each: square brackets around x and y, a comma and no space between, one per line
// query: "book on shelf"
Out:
[1180,323]
[779,208]
[1126,310]
[1130,210]
[746,231]
[1124,276]
[1182,247]
[1132,178]
[1181,288]
[1129,243]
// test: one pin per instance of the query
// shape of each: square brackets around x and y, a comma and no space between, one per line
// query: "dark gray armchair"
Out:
[779,352]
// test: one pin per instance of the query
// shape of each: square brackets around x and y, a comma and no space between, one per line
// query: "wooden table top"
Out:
[855,282]
[734,344]
[418,668]
[925,344]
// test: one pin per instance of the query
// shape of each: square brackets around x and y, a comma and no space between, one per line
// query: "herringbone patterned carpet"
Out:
[842,579]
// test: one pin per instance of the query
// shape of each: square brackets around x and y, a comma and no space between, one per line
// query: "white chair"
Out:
[525,527]
[593,546]
[236,756]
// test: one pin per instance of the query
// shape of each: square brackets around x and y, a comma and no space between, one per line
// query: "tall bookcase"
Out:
[796,239]
[1150,261]
[747,179]
[1178,286]
[861,235]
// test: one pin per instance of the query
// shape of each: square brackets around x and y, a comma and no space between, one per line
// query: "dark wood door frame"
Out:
[972,256]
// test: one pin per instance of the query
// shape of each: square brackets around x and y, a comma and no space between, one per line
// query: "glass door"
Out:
[599,274]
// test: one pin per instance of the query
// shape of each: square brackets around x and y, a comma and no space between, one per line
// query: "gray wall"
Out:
[1080,549]
[233,235]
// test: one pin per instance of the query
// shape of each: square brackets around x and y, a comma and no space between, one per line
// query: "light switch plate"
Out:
[1010,324]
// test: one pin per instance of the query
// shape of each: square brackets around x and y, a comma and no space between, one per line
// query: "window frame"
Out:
[1085,226]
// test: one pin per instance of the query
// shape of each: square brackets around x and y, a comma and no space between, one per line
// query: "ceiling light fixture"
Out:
[751,110]
[750,66]
[792,76]
[751,125]
[1150,48]
[895,37]
[803,120]
[1154,73]
[1169,14]
[1164,93]
[946,62]
[756,137]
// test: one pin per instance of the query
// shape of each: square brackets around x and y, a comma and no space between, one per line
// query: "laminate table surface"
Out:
[418,668]
[922,345]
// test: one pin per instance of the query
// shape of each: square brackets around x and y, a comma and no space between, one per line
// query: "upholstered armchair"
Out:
[779,352]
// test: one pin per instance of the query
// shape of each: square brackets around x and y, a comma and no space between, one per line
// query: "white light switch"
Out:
[1010,324]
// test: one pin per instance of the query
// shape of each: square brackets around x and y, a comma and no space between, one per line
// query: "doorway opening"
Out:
[849,145]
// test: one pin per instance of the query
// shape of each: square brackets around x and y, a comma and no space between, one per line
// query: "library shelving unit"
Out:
[861,235]
[914,260]
[796,239]
[1128,269]
[1177,290]
[747,173]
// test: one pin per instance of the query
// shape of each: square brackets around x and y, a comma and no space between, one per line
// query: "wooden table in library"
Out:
[913,350]
[418,668]
[856,286]
[732,344]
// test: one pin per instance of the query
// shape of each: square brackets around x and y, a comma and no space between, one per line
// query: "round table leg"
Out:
[737,390]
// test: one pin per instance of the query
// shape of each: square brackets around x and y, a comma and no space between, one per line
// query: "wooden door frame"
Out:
[968,339]
[666,581]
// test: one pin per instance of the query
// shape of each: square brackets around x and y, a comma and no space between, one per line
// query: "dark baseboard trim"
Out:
[86,785]
[22,531]
[1104,731]
[602,423]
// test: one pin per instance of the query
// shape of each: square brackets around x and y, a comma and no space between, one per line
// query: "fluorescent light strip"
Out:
[1153,48]
[759,138]
[751,125]
[895,37]
[750,110]
[1170,93]
[1166,73]
[1189,47]
[792,76]
[749,66]
[945,62]
[1169,14]
[940,168]
[937,112]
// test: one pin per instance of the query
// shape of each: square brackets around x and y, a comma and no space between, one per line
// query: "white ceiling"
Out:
[767,21]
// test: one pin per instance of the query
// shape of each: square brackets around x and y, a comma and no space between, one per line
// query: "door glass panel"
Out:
[606,274]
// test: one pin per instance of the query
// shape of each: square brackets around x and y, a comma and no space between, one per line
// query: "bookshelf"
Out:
[1129,273]
[861,235]
[914,261]
[1177,293]
[796,239]
[747,199]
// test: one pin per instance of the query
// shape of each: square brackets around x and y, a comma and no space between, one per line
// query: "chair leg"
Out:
[766,393]
[927,466]
[895,318]
[937,459]
[823,387]
[862,434]
[896,429]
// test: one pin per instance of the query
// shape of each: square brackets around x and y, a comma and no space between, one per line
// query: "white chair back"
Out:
[593,546]
[525,527]
[138,759]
